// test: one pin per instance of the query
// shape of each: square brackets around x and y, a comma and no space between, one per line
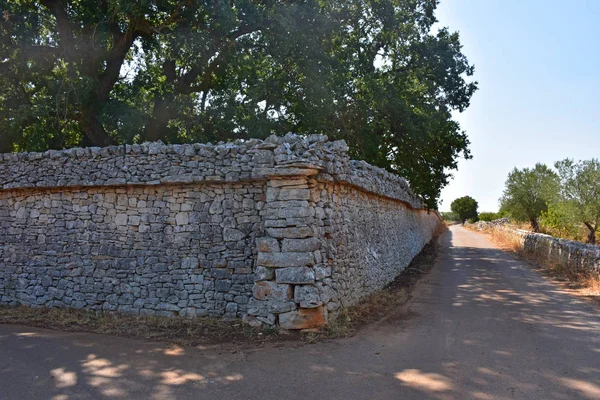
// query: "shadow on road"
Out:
[484,326]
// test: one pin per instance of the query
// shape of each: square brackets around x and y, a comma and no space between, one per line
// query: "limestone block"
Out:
[265,157]
[290,232]
[189,262]
[264,308]
[293,194]
[268,290]
[322,272]
[307,296]
[264,274]
[278,307]
[182,218]
[267,245]
[301,245]
[295,275]
[296,183]
[304,318]
[222,285]
[232,235]
[121,219]
[282,260]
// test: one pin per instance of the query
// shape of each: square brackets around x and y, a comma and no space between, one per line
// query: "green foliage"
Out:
[372,72]
[528,192]
[489,216]
[465,207]
[450,216]
[561,220]
[580,193]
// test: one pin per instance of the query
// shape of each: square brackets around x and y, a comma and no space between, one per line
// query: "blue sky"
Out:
[538,68]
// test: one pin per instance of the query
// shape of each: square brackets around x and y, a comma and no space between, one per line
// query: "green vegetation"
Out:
[466,208]
[559,221]
[450,216]
[489,216]
[528,192]
[561,203]
[579,200]
[109,72]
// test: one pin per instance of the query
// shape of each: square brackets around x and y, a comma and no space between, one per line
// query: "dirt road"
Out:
[481,325]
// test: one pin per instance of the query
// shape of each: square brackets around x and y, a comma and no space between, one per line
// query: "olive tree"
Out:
[580,193]
[528,192]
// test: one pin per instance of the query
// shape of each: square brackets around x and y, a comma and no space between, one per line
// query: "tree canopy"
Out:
[528,192]
[580,194]
[99,72]
[465,207]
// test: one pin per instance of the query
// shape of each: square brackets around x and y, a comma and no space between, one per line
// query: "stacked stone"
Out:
[281,231]
[482,225]
[575,256]
[289,262]
[157,250]
[367,241]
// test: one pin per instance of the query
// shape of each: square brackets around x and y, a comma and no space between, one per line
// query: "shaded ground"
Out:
[481,325]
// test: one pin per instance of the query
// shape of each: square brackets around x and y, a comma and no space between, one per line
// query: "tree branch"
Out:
[145,27]
[185,82]
[122,42]
[64,26]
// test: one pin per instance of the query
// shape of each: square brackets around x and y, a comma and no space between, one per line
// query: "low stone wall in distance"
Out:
[284,231]
[548,250]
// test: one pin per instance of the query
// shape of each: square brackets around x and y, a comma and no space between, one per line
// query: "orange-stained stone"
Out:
[304,318]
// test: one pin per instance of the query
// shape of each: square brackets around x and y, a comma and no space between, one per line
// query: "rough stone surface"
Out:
[307,296]
[304,318]
[280,231]
[101,248]
[571,255]
[272,291]
[295,275]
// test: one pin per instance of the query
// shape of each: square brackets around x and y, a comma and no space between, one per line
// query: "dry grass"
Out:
[176,330]
[586,283]
[506,240]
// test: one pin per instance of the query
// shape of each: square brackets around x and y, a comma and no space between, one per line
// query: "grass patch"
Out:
[176,330]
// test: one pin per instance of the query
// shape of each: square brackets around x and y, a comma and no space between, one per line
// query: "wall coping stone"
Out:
[157,163]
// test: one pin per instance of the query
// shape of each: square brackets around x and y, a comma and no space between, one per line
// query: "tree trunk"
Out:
[591,237]
[93,129]
[5,143]
[535,225]
[592,232]
[157,127]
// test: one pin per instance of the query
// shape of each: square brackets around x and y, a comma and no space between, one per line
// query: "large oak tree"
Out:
[98,72]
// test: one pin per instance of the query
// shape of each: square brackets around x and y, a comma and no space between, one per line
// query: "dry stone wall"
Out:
[283,231]
[571,255]
[370,240]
